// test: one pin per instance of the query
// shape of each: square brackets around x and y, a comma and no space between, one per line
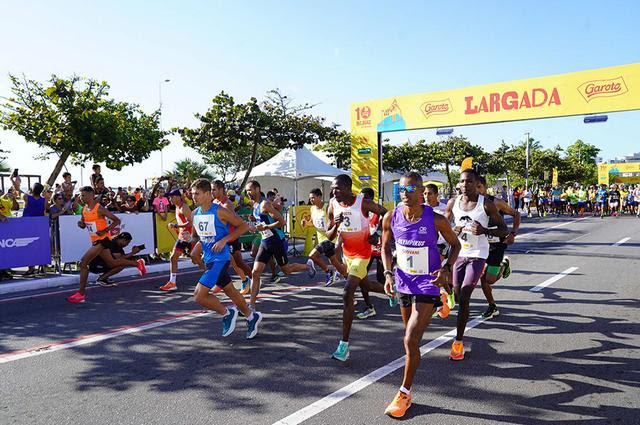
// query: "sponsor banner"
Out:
[622,173]
[587,92]
[364,161]
[25,241]
[554,178]
[165,237]
[75,241]
[303,223]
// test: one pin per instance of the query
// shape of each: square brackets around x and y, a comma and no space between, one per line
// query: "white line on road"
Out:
[621,241]
[126,330]
[356,386]
[546,229]
[579,237]
[553,279]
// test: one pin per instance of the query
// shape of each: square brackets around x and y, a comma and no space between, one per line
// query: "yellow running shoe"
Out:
[399,405]
[457,351]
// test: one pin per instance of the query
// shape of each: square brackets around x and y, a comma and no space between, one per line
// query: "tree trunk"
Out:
[446,165]
[56,170]
[254,154]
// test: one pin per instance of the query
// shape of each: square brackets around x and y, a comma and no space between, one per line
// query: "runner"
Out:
[325,246]
[94,219]
[116,247]
[349,216]
[497,264]
[415,227]
[603,200]
[471,214]
[211,223]
[185,243]
[556,197]
[238,264]
[614,201]
[269,222]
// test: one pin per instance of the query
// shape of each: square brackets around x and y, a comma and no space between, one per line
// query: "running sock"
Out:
[406,391]
[173,277]
[250,317]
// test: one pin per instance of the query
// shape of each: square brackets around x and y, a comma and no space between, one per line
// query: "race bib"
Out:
[491,238]
[266,233]
[413,260]
[319,223]
[91,228]
[350,224]
[467,239]
[205,225]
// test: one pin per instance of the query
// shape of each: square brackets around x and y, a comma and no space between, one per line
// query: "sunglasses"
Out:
[410,188]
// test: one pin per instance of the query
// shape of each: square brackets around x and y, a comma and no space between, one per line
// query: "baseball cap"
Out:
[174,192]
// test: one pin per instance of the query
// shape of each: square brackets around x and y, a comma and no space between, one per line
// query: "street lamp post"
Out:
[160,119]
[526,172]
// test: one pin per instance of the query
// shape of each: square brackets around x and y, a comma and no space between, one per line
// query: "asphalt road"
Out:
[568,353]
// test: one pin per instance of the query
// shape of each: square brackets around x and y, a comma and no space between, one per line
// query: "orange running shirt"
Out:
[354,229]
[95,223]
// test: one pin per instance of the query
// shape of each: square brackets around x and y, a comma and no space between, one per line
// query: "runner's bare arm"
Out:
[492,211]
[333,223]
[448,212]
[444,228]
[275,214]
[240,228]
[387,258]
[368,206]
[507,209]
[115,221]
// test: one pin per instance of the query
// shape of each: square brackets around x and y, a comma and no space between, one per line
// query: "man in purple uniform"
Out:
[418,274]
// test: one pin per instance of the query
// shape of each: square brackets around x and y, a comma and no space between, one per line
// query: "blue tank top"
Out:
[268,235]
[417,253]
[210,230]
[35,207]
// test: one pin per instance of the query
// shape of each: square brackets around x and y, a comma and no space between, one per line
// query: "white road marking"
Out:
[356,386]
[621,241]
[549,228]
[553,279]
[579,237]
[125,330]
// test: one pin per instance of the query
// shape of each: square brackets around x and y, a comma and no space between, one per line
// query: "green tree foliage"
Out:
[75,118]
[188,170]
[338,148]
[451,151]
[579,164]
[407,156]
[245,128]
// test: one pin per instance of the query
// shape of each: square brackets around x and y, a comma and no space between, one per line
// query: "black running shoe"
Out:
[492,311]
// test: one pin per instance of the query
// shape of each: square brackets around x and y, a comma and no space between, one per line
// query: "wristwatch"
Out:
[388,273]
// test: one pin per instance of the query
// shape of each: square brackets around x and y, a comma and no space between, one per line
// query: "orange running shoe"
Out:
[444,310]
[457,351]
[141,267]
[76,298]
[169,286]
[399,405]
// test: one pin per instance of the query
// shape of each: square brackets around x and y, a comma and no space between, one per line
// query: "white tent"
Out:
[294,173]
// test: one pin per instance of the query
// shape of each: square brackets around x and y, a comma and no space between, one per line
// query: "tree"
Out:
[3,165]
[75,118]
[244,128]
[338,148]
[579,164]
[186,171]
[452,151]
[409,157]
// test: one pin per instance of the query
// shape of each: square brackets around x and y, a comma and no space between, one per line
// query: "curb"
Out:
[74,279]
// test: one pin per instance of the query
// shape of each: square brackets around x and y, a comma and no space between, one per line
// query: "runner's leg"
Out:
[88,256]
[415,328]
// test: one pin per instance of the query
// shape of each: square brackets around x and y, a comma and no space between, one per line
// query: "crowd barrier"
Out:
[25,242]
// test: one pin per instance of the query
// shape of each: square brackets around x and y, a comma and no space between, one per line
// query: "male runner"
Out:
[325,246]
[211,223]
[269,222]
[349,215]
[238,264]
[415,227]
[116,248]
[94,219]
[498,265]
[614,201]
[471,214]
[603,200]
[185,243]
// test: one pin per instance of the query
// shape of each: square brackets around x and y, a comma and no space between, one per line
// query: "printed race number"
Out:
[349,224]
[413,260]
[205,225]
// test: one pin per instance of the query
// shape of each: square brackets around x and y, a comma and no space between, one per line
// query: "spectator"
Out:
[102,193]
[161,204]
[67,187]
[8,203]
[96,175]
[133,206]
[111,202]
[59,207]
[34,204]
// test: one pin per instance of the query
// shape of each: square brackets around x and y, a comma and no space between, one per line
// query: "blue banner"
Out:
[25,241]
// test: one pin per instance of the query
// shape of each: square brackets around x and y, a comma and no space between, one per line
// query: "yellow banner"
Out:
[554,177]
[364,161]
[600,90]
[165,237]
[623,173]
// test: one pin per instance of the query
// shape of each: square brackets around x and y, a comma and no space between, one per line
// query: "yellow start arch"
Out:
[580,93]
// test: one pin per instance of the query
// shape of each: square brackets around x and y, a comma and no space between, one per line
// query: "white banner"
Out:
[74,241]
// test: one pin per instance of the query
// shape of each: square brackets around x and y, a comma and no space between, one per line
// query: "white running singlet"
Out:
[473,246]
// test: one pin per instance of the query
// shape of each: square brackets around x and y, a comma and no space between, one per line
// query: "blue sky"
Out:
[330,52]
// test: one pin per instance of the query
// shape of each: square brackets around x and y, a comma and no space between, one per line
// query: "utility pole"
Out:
[526,172]
[160,120]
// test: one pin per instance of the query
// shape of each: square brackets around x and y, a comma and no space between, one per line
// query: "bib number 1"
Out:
[413,260]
